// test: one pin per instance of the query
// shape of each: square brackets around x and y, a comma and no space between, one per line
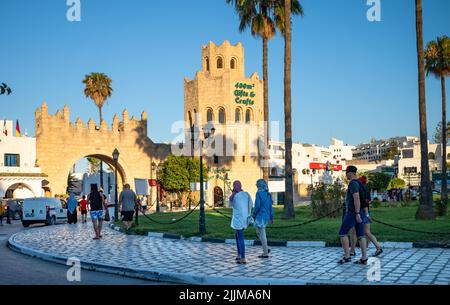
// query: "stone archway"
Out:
[218,196]
[60,143]
[20,190]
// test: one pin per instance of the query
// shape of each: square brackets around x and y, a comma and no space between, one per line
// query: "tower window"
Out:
[207,63]
[219,63]
[209,115]
[248,116]
[237,115]
[222,116]
[216,159]
[243,159]
[233,63]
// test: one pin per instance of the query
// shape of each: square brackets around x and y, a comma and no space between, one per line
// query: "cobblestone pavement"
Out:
[209,263]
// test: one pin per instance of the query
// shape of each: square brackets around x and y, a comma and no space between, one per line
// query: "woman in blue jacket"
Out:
[263,214]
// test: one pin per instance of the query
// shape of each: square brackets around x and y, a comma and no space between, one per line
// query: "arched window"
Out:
[222,116]
[237,115]
[248,116]
[219,63]
[448,156]
[273,171]
[207,63]
[431,156]
[233,63]
[209,115]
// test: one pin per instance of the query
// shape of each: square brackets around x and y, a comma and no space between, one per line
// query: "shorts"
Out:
[83,212]
[127,215]
[97,215]
[349,222]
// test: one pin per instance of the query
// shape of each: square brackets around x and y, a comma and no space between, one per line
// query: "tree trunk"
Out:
[266,110]
[101,163]
[444,193]
[425,210]
[288,211]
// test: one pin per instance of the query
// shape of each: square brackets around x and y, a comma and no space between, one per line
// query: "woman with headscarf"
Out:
[72,209]
[242,203]
[263,214]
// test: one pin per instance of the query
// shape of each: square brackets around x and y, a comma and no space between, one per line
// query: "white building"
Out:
[375,150]
[19,175]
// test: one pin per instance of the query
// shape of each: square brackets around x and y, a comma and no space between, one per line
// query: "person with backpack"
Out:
[241,202]
[96,203]
[262,214]
[365,206]
[354,217]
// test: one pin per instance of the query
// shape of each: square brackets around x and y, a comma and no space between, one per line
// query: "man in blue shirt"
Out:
[353,217]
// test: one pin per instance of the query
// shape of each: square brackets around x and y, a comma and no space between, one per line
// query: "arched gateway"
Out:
[60,144]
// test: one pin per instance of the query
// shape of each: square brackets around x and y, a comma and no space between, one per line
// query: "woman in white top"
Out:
[241,202]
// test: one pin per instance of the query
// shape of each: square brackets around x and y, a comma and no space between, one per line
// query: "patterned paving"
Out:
[210,263]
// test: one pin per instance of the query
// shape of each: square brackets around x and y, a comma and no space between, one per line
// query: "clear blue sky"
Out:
[352,79]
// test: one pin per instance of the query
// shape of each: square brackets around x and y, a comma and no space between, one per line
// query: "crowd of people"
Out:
[355,226]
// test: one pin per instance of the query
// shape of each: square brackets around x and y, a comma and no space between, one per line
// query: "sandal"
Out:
[237,258]
[378,252]
[96,238]
[263,256]
[352,254]
[344,260]
[241,261]
[362,261]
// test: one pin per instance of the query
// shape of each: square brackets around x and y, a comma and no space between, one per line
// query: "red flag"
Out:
[5,131]
[17,129]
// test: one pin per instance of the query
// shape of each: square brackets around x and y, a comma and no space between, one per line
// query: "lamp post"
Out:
[155,168]
[208,131]
[115,155]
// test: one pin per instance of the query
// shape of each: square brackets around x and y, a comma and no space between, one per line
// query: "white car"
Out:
[43,210]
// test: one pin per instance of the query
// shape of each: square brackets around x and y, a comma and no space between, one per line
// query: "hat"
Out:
[351,169]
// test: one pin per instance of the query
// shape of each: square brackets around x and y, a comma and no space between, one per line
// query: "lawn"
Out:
[217,226]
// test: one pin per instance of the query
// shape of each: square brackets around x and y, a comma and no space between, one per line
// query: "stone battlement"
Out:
[61,121]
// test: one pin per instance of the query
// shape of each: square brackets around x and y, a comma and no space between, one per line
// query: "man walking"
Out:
[128,201]
[353,217]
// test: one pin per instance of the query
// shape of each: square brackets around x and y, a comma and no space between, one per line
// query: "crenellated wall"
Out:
[61,143]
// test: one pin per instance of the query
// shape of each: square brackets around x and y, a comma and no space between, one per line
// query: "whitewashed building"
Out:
[19,175]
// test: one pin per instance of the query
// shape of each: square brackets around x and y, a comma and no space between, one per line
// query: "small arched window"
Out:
[219,63]
[233,63]
[207,63]
[209,115]
[431,156]
[248,116]
[222,116]
[237,115]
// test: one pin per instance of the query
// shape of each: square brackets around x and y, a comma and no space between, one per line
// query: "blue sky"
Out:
[352,79]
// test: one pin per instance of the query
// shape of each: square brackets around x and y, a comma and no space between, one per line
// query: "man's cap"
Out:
[351,169]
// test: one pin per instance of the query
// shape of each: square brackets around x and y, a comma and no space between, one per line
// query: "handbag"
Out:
[250,219]
[107,218]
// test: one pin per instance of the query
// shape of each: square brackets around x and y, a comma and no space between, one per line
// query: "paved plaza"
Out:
[184,261]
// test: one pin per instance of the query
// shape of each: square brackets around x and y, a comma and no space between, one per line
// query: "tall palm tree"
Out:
[98,88]
[262,17]
[288,210]
[437,62]
[425,210]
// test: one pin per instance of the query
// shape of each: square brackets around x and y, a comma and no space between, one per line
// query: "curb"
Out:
[289,244]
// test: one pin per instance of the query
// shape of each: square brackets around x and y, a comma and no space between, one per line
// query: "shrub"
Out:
[440,206]
[327,198]
[375,203]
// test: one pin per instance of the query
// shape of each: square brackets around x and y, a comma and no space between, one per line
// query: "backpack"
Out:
[363,193]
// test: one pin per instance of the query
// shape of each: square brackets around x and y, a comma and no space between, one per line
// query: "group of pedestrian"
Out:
[245,215]
[356,219]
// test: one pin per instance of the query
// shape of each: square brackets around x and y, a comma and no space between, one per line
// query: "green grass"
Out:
[326,229]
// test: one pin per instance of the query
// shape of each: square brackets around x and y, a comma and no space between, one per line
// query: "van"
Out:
[43,210]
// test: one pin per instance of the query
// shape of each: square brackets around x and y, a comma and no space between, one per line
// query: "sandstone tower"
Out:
[220,93]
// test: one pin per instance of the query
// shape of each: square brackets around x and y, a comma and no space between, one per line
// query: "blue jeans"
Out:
[240,243]
[349,221]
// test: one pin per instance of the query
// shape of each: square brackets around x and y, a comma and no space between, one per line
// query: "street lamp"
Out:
[208,130]
[155,168]
[115,155]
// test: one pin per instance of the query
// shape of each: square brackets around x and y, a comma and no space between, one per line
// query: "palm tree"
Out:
[437,62]
[262,17]
[288,210]
[98,88]
[425,210]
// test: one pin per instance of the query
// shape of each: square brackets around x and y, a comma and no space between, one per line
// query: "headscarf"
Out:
[72,203]
[237,187]
[261,184]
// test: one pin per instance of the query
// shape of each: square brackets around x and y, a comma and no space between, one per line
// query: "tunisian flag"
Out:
[17,129]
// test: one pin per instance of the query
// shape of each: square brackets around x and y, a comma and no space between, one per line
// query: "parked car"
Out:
[43,210]
[14,207]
